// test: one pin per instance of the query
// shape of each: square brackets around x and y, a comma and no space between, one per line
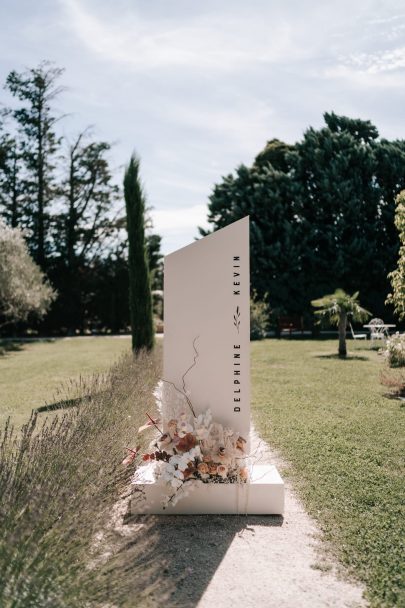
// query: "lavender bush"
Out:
[59,481]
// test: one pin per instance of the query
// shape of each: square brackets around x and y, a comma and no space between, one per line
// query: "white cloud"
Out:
[375,63]
[178,225]
[204,43]
[179,218]
[245,123]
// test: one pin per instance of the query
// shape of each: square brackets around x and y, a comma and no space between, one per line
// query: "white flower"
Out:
[183,428]
[195,452]
[203,420]
[168,471]
[201,432]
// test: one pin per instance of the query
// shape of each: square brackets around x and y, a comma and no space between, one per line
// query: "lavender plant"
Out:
[59,480]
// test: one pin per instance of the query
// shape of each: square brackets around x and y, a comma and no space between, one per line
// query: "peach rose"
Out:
[240,444]
[203,468]
[244,474]
[222,471]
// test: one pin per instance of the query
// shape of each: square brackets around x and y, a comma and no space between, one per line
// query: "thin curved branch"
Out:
[196,355]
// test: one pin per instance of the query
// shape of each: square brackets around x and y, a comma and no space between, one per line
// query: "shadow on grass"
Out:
[66,403]
[347,358]
[7,346]
[298,337]
[17,344]
[59,405]
[371,348]
[396,396]
[179,556]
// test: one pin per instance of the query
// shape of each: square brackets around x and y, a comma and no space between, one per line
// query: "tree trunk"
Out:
[14,193]
[342,334]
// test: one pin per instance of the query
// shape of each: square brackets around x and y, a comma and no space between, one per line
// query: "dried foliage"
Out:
[395,381]
[59,483]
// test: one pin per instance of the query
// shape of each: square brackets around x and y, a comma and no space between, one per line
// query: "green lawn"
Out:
[32,372]
[328,417]
[344,441]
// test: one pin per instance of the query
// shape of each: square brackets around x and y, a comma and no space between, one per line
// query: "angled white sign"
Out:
[207,304]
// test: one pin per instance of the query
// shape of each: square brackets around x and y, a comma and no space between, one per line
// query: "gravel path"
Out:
[280,566]
[233,561]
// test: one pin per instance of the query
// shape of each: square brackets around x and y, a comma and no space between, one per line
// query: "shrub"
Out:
[23,287]
[395,350]
[59,482]
[259,318]
[397,277]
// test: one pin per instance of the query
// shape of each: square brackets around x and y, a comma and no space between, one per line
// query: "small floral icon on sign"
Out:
[236,318]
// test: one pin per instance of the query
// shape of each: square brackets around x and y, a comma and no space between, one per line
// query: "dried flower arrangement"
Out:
[190,449]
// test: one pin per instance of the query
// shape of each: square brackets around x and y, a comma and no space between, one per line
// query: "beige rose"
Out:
[172,428]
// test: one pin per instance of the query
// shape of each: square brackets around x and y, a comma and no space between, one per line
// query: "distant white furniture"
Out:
[378,329]
[357,336]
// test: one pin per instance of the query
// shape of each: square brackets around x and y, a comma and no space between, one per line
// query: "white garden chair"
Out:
[377,329]
[357,336]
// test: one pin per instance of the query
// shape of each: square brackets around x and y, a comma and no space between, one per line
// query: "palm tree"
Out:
[337,307]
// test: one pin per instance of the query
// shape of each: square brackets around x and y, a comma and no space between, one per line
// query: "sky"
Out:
[198,87]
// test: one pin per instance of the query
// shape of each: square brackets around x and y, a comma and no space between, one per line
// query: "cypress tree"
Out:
[140,297]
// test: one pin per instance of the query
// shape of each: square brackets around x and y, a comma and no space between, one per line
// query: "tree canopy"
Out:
[62,191]
[322,214]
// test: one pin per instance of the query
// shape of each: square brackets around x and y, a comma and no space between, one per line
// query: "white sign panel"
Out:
[207,303]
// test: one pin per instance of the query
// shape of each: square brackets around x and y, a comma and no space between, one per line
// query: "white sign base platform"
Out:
[207,355]
[264,495]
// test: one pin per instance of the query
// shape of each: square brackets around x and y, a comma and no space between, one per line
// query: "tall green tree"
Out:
[346,211]
[11,181]
[337,308]
[265,194]
[139,279]
[85,224]
[397,276]
[36,89]
[322,214]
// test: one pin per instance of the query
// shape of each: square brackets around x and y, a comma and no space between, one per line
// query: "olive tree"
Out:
[23,288]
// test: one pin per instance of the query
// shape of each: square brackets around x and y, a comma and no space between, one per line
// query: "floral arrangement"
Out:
[395,350]
[190,449]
